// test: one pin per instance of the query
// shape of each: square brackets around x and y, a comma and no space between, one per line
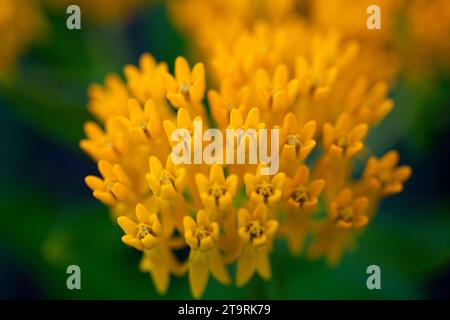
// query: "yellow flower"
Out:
[110,99]
[338,87]
[114,187]
[227,99]
[256,233]
[183,122]
[165,182]
[252,121]
[300,193]
[347,212]
[143,125]
[202,236]
[366,104]
[104,145]
[186,87]
[276,94]
[384,175]
[343,139]
[216,193]
[264,189]
[146,234]
[316,77]
[296,141]
[301,200]
[147,81]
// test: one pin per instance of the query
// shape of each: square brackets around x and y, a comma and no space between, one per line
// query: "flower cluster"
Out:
[278,72]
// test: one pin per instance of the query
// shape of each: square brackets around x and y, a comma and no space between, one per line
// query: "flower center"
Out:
[217,191]
[294,140]
[255,229]
[343,141]
[346,214]
[202,232]
[166,178]
[265,189]
[184,88]
[300,195]
[144,230]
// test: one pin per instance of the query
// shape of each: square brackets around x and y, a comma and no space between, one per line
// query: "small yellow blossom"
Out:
[315,77]
[347,212]
[256,233]
[165,182]
[183,121]
[276,94]
[202,236]
[301,201]
[228,98]
[384,175]
[114,187]
[216,193]
[343,139]
[147,82]
[104,145]
[366,104]
[269,67]
[296,142]
[186,87]
[300,193]
[264,189]
[144,125]
[146,233]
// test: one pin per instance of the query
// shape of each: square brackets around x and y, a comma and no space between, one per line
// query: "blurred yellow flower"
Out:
[21,24]
[343,139]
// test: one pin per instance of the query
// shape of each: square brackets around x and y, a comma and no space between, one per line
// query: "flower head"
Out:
[228,98]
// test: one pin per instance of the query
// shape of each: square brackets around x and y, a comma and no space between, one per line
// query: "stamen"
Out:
[266,190]
[300,195]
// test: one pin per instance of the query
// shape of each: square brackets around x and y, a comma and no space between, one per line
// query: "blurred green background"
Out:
[49,220]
